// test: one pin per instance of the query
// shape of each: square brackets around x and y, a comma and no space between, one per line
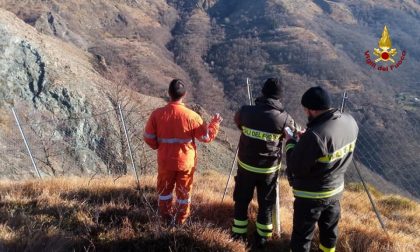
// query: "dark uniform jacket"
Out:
[262,128]
[317,163]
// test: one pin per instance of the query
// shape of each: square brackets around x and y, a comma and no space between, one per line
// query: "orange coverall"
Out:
[172,130]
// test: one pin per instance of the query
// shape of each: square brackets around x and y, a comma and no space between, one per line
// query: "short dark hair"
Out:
[176,89]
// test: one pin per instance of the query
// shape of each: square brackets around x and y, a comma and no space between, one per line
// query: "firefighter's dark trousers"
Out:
[308,212]
[245,183]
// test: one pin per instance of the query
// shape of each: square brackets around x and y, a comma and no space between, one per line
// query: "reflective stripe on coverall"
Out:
[172,130]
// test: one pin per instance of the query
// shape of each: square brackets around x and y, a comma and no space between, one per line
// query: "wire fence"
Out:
[389,152]
[84,145]
[94,144]
[388,145]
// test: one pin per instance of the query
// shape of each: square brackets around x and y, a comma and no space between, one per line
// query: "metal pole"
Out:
[250,98]
[277,227]
[248,84]
[129,146]
[375,209]
[343,101]
[276,213]
[26,143]
[231,171]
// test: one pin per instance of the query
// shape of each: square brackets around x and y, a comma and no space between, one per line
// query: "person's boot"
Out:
[260,242]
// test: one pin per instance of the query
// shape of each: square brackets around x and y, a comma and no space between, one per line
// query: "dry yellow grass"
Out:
[63,214]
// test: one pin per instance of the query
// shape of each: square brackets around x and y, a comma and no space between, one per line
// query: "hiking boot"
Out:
[260,242]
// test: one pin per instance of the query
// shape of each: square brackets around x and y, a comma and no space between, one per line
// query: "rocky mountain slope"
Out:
[68,110]
[215,44]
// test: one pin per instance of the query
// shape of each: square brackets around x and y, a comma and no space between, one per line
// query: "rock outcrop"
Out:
[45,76]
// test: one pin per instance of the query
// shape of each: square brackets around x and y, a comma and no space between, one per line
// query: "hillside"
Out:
[69,111]
[91,46]
[103,214]
[65,66]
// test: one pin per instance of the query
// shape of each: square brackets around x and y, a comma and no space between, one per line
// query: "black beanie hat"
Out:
[176,89]
[273,88]
[316,98]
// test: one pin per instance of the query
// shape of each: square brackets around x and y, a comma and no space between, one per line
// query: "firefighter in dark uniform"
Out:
[259,159]
[316,164]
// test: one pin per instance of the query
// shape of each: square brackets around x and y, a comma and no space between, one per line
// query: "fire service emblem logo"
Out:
[385,51]
[385,54]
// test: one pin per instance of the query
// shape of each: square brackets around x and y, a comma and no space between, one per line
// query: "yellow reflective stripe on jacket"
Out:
[261,135]
[317,195]
[325,249]
[338,154]
[258,169]
[289,146]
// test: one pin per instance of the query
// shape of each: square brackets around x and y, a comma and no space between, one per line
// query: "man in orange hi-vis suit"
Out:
[172,130]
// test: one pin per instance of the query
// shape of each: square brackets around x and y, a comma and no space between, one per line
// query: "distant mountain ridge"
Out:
[214,45]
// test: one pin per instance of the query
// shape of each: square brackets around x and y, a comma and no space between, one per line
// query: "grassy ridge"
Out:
[63,214]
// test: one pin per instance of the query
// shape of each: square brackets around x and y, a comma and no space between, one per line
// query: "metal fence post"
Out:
[26,143]
[249,87]
[277,225]
[231,172]
[343,101]
[129,146]
[375,209]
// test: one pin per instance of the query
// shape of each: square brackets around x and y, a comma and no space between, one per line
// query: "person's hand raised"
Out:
[217,118]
